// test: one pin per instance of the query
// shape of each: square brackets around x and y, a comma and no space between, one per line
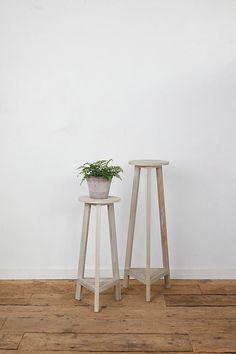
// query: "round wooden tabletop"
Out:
[109,200]
[149,163]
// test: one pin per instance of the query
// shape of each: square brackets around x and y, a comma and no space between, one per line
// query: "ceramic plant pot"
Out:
[98,187]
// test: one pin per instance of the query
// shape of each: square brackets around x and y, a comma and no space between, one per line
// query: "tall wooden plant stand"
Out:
[98,284]
[147,275]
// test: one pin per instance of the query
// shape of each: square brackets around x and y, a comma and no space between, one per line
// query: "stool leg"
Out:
[148,236]
[97,257]
[161,202]
[83,249]
[114,253]
[132,217]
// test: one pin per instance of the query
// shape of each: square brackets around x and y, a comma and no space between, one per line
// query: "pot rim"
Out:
[99,177]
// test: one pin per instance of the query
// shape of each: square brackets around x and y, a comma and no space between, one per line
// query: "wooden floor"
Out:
[192,316]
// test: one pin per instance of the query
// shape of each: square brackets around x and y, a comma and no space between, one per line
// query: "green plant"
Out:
[99,169]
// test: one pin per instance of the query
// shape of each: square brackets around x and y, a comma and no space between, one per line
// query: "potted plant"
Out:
[99,175]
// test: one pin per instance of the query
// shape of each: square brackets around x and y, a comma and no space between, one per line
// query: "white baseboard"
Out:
[50,273]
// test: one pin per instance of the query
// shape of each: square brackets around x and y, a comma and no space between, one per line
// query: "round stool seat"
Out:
[149,163]
[109,200]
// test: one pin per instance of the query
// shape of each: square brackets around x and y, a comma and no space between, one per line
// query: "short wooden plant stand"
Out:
[97,284]
[147,275]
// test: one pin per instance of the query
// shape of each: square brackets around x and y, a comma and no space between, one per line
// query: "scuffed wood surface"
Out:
[42,317]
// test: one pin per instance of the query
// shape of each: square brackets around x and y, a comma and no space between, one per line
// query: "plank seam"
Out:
[20,341]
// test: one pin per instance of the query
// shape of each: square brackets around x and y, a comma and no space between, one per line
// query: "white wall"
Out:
[122,79]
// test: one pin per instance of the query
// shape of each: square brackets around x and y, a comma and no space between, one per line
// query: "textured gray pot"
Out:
[98,187]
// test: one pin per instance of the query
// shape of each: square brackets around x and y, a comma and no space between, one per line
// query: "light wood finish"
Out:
[154,274]
[132,217]
[162,215]
[148,236]
[151,275]
[114,252]
[148,163]
[96,284]
[92,201]
[83,249]
[176,321]
[97,257]
[103,283]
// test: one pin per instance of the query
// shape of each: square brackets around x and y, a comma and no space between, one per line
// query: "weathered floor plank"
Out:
[81,352]
[178,287]
[106,342]
[9,341]
[20,287]
[68,324]
[202,312]
[16,288]
[15,293]
[214,342]
[15,300]
[223,287]
[111,309]
[88,300]
[200,300]
[142,312]
[2,321]
[42,317]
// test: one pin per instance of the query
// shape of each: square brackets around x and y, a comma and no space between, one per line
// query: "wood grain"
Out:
[214,342]
[68,324]
[163,227]
[80,352]
[200,300]
[179,287]
[210,313]
[83,249]
[142,312]
[9,341]
[189,317]
[225,287]
[2,321]
[11,294]
[131,227]
[106,342]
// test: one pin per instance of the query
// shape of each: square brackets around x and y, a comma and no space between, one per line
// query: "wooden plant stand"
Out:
[97,284]
[147,275]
